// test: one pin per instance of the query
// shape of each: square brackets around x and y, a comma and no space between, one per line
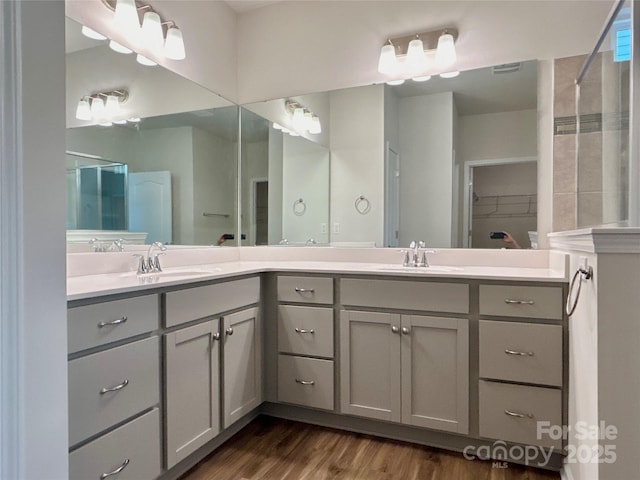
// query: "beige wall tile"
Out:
[564,212]
[564,164]
[589,209]
[590,162]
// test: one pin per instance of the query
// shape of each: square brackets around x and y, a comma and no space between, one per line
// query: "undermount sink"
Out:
[173,273]
[429,269]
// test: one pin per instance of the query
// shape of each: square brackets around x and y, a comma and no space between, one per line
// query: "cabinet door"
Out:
[370,364]
[242,364]
[435,372]
[193,389]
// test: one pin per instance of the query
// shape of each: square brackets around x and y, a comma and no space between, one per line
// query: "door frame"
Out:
[390,238]
[469,165]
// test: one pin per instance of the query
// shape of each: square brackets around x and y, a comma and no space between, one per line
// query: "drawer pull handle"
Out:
[302,330]
[116,471]
[112,323]
[518,415]
[508,301]
[305,382]
[305,290]
[515,352]
[114,389]
[229,331]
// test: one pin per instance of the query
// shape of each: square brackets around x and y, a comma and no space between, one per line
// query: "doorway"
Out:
[260,211]
[500,196]
[391,197]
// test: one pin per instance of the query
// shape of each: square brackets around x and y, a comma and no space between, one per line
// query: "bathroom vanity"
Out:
[165,368]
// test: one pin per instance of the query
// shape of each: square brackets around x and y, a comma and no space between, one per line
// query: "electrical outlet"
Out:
[336,228]
[323,228]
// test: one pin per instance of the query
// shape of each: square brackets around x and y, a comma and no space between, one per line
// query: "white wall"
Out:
[426,169]
[293,48]
[275,186]
[33,327]
[116,144]
[305,174]
[214,186]
[209,30]
[499,135]
[357,163]
[545,151]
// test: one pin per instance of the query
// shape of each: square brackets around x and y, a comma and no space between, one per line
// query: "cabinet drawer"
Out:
[91,411]
[305,289]
[512,412]
[521,301]
[193,303]
[305,330]
[102,323]
[137,441]
[523,352]
[429,296]
[305,381]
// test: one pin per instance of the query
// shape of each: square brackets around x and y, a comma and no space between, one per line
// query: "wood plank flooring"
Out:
[275,449]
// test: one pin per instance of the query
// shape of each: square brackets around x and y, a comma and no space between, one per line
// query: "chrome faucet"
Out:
[153,262]
[311,241]
[416,255]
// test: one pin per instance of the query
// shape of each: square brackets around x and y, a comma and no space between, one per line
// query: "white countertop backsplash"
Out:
[99,274]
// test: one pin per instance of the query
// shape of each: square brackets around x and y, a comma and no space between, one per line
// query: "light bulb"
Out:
[423,78]
[395,82]
[133,119]
[308,121]
[112,106]
[174,44]
[126,17]
[97,108]
[285,130]
[120,122]
[116,47]
[151,31]
[298,118]
[416,60]
[88,32]
[83,110]
[446,51]
[388,62]
[316,128]
[108,123]
[294,134]
[450,74]
[277,126]
[142,60]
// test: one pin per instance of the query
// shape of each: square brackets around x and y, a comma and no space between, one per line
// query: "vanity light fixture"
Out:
[302,119]
[412,56]
[450,74]
[116,47]
[102,107]
[142,60]
[162,37]
[90,33]
[277,126]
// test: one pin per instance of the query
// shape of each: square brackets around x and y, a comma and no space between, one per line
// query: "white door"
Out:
[149,200]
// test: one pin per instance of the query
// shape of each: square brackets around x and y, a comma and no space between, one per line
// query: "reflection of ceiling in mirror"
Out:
[482,91]
[221,122]
[241,6]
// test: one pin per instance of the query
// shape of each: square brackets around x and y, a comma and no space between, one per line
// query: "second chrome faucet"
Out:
[416,256]
[150,263]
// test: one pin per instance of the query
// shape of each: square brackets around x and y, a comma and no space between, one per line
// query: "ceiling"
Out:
[241,6]
[481,91]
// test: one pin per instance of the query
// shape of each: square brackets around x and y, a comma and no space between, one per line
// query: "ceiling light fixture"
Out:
[303,120]
[174,44]
[126,16]
[411,56]
[152,35]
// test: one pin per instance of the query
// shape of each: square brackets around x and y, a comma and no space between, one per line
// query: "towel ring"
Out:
[299,207]
[362,205]
[580,275]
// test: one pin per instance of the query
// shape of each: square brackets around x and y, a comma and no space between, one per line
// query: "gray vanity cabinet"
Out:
[412,369]
[242,333]
[192,383]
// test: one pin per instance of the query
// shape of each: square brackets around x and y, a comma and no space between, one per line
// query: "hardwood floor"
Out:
[275,449]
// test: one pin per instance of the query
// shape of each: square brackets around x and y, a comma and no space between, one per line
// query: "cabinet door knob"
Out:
[395,329]
[215,336]
[405,331]
[229,331]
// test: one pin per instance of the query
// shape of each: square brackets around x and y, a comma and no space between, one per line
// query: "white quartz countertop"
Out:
[86,286]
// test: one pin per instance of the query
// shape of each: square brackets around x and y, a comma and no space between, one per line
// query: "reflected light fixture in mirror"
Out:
[302,119]
[409,56]
[116,47]
[88,32]
[102,107]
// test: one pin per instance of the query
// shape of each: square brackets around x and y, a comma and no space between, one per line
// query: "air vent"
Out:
[506,68]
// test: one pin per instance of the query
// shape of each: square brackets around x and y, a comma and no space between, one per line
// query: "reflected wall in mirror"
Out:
[185,131]
[285,184]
